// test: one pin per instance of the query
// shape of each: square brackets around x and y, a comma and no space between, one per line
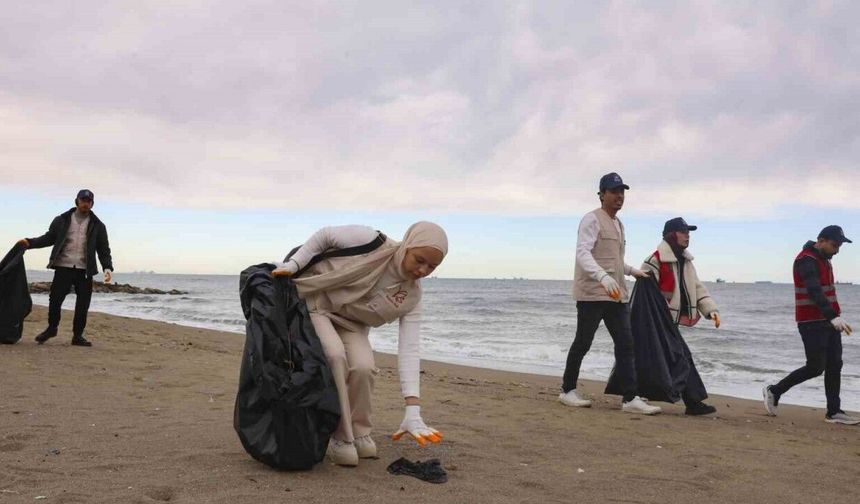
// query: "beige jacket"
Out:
[698,297]
[388,300]
[608,252]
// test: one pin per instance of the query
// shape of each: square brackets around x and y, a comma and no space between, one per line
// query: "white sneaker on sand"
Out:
[572,399]
[637,405]
[769,401]
[342,453]
[842,418]
[365,447]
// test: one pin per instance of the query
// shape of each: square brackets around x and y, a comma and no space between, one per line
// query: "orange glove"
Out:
[414,425]
[286,269]
[611,287]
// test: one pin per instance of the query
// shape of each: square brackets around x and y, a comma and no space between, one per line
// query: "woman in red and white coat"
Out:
[672,266]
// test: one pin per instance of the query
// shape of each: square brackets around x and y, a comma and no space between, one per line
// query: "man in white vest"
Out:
[601,294]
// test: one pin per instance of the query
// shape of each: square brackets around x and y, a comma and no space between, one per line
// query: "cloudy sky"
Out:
[219,134]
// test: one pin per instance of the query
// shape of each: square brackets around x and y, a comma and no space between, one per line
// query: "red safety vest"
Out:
[805,308]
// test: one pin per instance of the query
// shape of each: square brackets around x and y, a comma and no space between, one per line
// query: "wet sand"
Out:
[146,416]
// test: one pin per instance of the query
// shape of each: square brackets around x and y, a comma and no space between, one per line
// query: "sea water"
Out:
[528,325]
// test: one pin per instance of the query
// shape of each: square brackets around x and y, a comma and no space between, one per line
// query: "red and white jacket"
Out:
[663,265]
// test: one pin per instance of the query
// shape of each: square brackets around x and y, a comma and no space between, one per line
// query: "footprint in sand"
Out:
[161,494]
[11,447]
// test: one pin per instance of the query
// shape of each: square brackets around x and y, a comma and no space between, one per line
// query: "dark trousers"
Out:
[823,346]
[616,316]
[64,280]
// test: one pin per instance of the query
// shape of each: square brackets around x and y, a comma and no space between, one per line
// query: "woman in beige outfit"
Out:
[346,296]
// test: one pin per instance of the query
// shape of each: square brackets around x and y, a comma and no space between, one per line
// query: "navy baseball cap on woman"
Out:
[612,181]
[834,233]
[86,194]
[678,224]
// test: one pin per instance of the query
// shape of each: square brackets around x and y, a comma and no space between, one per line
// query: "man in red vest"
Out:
[820,324]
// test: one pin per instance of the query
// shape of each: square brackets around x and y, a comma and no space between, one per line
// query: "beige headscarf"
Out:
[354,278]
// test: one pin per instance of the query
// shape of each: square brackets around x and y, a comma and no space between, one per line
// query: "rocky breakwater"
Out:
[45,288]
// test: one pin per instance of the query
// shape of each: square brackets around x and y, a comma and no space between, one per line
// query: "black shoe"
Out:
[80,341]
[46,335]
[699,408]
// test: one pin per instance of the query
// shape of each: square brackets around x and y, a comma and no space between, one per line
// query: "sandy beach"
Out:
[146,416]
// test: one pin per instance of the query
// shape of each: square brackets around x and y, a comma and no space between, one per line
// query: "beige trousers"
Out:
[351,359]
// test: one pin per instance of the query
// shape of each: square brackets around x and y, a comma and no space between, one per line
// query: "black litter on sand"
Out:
[430,470]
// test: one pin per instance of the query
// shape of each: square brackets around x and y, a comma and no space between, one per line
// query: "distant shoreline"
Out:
[430,279]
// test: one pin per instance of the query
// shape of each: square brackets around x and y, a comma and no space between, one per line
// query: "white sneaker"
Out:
[769,401]
[365,447]
[842,418]
[572,399]
[637,405]
[342,453]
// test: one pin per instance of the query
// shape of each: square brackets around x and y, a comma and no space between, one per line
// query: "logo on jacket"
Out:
[399,297]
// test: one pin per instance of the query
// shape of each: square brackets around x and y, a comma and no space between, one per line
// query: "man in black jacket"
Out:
[76,236]
[819,320]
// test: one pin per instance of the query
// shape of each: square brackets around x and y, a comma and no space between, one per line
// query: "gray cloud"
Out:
[504,107]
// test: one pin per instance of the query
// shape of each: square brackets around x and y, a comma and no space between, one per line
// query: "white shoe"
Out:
[342,453]
[365,447]
[572,399]
[769,400]
[637,405]
[842,418]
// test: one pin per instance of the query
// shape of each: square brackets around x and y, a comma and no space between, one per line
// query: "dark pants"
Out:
[617,319]
[823,346]
[64,280]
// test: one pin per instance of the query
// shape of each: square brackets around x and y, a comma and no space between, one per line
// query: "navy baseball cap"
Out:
[678,224]
[834,233]
[612,181]
[86,194]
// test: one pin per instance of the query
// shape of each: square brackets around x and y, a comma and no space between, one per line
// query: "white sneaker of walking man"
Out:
[638,405]
[842,418]
[571,398]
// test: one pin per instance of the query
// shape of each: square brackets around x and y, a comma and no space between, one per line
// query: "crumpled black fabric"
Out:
[430,470]
[664,365]
[287,406]
[15,300]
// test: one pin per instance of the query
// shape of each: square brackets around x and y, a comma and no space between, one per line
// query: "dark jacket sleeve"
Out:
[808,271]
[48,239]
[103,249]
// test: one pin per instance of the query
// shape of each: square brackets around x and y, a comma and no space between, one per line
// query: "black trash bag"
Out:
[664,365]
[287,405]
[15,300]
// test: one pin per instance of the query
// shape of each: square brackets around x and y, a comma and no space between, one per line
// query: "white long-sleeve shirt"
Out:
[589,228]
[409,337]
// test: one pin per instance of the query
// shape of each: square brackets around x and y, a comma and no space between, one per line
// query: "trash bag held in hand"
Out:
[287,406]
[15,300]
[664,365]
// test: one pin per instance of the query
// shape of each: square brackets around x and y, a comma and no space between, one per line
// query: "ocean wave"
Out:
[529,326]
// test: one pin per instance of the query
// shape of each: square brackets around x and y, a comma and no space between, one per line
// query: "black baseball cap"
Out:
[834,233]
[612,181]
[677,224]
[86,194]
